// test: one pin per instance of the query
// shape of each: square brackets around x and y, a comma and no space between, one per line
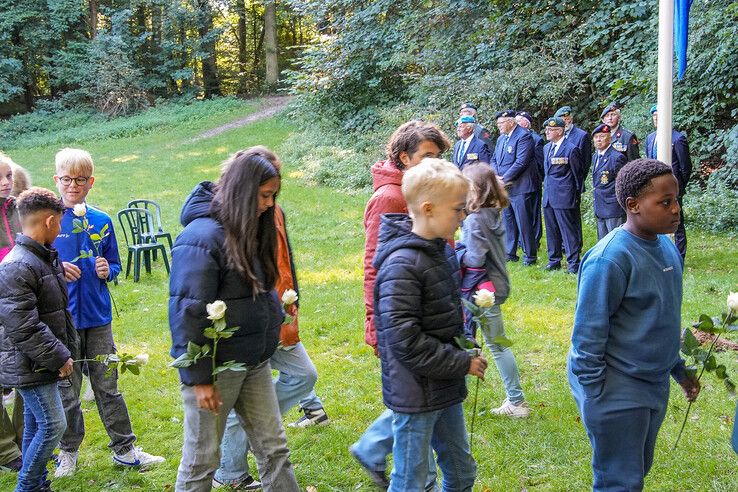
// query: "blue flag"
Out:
[681,32]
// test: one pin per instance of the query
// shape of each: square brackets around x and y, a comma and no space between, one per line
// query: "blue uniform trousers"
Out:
[604,226]
[622,423]
[538,223]
[680,236]
[519,220]
[563,226]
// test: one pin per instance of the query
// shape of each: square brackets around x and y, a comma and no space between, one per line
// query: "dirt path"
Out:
[269,107]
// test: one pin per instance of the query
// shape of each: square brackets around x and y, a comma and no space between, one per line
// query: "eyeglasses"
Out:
[79,180]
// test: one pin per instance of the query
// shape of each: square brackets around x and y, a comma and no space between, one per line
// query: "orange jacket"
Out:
[289,333]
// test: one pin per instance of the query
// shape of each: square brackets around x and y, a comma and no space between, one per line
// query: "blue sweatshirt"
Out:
[89,299]
[628,312]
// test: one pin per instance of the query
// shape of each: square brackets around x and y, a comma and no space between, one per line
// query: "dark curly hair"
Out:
[635,177]
[36,199]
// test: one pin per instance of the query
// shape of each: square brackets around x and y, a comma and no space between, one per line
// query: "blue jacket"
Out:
[581,140]
[606,204]
[514,161]
[681,163]
[417,312]
[89,299]
[538,144]
[477,150]
[561,188]
[200,275]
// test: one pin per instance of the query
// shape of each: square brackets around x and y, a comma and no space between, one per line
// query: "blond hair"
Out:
[431,180]
[21,178]
[74,161]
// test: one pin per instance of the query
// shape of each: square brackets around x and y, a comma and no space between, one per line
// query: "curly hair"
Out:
[36,199]
[635,177]
[409,136]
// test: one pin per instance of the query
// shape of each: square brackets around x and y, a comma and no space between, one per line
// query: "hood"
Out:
[198,203]
[395,233]
[384,173]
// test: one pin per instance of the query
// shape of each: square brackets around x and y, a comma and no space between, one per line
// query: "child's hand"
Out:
[208,397]
[72,273]
[691,388]
[478,366]
[102,268]
[66,369]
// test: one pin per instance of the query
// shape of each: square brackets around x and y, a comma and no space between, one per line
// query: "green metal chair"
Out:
[151,232]
[133,221]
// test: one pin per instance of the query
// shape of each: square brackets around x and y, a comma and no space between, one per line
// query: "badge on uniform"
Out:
[619,146]
[472,157]
[509,149]
[605,177]
[559,160]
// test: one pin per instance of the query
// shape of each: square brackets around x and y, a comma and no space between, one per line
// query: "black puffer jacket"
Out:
[417,315]
[200,275]
[37,334]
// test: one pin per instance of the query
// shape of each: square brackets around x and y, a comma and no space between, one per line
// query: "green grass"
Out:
[547,452]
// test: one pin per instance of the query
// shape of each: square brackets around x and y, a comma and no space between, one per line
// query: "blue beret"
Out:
[563,111]
[468,105]
[466,119]
[611,107]
[653,109]
[508,113]
[525,115]
[601,129]
[554,122]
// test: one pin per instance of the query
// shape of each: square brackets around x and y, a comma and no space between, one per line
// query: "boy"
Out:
[418,315]
[89,303]
[409,144]
[625,341]
[37,337]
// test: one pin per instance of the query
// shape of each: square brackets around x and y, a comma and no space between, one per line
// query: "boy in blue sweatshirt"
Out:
[418,315]
[625,341]
[90,305]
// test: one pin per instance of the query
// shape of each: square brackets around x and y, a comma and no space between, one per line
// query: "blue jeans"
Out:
[445,431]
[504,358]
[296,379]
[377,442]
[44,425]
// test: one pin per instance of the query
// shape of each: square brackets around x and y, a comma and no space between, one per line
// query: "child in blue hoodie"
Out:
[90,305]
[625,341]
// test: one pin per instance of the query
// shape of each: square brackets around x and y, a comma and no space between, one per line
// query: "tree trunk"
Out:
[270,43]
[93,19]
[211,85]
[242,48]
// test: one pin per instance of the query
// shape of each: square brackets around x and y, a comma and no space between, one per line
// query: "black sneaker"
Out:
[377,476]
[248,483]
[13,465]
[311,417]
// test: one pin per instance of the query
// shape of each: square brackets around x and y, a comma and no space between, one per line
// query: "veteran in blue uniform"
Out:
[606,163]
[681,167]
[469,148]
[623,140]
[470,109]
[564,172]
[576,136]
[524,119]
[514,162]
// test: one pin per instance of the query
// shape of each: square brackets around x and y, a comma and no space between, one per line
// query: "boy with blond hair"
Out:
[90,305]
[418,315]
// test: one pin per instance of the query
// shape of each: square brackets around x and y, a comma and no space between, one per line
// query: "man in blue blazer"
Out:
[577,137]
[524,119]
[606,163]
[623,140]
[681,167]
[469,148]
[470,109]
[564,170]
[513,160]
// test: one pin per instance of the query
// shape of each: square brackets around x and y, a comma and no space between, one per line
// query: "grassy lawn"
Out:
[547,452]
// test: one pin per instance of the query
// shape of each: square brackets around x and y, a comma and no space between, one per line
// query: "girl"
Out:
[227,251]
[481,253]
[9,222]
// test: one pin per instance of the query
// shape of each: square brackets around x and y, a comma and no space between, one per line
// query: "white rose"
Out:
[216,310]
[142,359]
[733,301]
[80,210]
[289,297]
[484,298]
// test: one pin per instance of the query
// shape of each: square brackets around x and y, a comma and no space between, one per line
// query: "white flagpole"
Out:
[665,77]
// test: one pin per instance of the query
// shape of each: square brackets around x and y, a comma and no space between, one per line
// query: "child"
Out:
[409,144]
[625,341]
[37,338]
[418,314]
[9,222]
[481,253]
[91,310]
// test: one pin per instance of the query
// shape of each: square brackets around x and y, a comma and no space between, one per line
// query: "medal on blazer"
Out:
[472,157]
[509,149]
[605,177]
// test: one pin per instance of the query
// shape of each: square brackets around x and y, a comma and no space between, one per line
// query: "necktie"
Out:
[504,138]
[599,161]
[461,152]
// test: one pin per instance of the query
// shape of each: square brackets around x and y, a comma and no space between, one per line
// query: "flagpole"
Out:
[665,77]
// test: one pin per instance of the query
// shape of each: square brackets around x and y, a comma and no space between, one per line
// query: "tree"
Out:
[270,42]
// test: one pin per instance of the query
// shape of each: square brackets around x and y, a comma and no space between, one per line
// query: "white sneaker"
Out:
[509,409]
[136,457]
[89,394]
[66,464]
